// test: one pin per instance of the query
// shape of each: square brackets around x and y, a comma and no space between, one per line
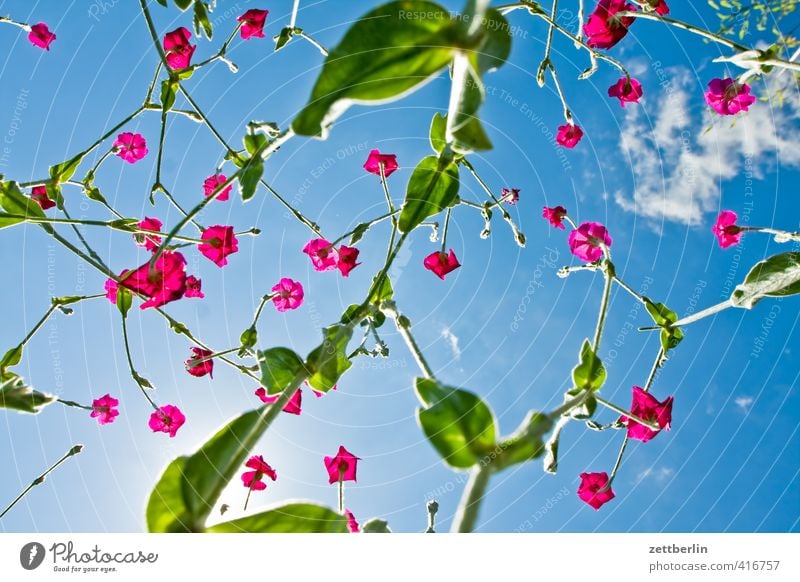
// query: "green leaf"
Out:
[183,4]
[329,360]
[162,2]
[14,201]
[437,133]
[382,292]
[585,410]
[589,374]
[201,20]
[526,442]
[279,366]
[169,89]
[124,301]
[250,176]
[386,54]
[305,517]
[471,137]
[777,276]
[551,448]
[16,395]
[358,232]
[283,37]
[432,188]
[64,171]
[12,358]
[248,340]
[376,525]
[459,425]
[94,194]
[166,512]
[664,317]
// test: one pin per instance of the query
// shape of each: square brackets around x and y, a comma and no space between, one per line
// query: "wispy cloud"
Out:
[452,341]
[679,169]
[744,403]
[659,475]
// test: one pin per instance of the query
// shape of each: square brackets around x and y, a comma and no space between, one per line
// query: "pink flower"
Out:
[131,147]
[352,524]
[149,241]
[253,23]
[167,419]
[347,259]
[511,196]
[728,234]
[178,48]
[294,406]
[569,135]
[646,407]
[39,195]
[319,394]
[104,409]
[441,264]
[194,287]
[604,28]
[253,479]
[660,6]
[376,159]
[41,36]
[555,216]
[220,242]
[212,182]
[342,466]
[289,295]
[584,242]
[593,490]
[111,290]
[727,97]
[323,256]
[198,369]
[164,283]
[626,90]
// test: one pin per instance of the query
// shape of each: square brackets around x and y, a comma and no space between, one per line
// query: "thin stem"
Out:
[74,404]
[469,506]
[627,413]
[601,318]
[703,314]
[627,288]
[518,236]
[685,26]
[341,494]
[404,329]
[560,91]
[444,231]
[39,325]
[550,30]
[369,224]
[134,374]
[293,19]
[320,48]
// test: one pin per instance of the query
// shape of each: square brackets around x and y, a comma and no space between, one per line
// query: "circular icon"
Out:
[31,555]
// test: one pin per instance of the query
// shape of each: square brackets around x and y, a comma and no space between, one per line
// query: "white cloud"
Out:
[659,475]
[744,402]
[452,341]
[680,159]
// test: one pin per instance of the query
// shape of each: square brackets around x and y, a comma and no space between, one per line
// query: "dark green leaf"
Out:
[15,202]
[12,358]
[279,366]
[664,317]
[250,176]
[432,188]
[16,395]
[166,511]
[589,374]
[306,517]
[64,171]
[329,361]
[201,20]
[382,292]
[283,37]
[169,89]
[376,525]
[94,194]
[183,4]
[526,442]
[777,276]
[359,232]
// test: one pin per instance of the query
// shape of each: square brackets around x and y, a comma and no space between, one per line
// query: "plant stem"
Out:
[404,329]
[703,314]
[469,506]
[626,413]
[627,288]
[134,374]
[341,495]
[601,318]
[293,19]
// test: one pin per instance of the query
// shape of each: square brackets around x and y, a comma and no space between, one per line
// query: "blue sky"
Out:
[655,174]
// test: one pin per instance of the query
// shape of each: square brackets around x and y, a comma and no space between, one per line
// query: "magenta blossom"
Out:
[342,467]
[347,259]
[727,97]
[165,282]
[201,368]
[149,241]
[569,135]
[220,242]
[660,6]
[626,90]
[318,393]
[352,524]
[288,295]
[376,159]
[510,196]
[111,290]
[194,287]
[41,36]
[253,23]
[323,256]
[441,264]
[131,147]
[294,406]
[604,28]
[585,241]
[594,489]
[39,195]
[728,234]
[178,49]
[646,407]
[104,409]
[555,216]
[212,182]
[167,419]
[253,479]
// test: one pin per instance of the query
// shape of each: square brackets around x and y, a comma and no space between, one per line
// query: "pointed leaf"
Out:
[305,517]
[433,186]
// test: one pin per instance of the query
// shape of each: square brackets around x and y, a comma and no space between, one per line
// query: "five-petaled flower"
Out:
[646,407]
[194,287]
[555,216]
[219,243]
[595,490]
[149,241]
[441,264]
[212,182]
[111,290]
[376,159]
[728,234]
[604,28]
[178,49]
[510,196]
[569,135]
[729,97]
[627,90]
[253,23]
[347,259]
[167,419]
[41,36]
[165,282]
[288,294]
[104,409]
[253,479]
[585,241]
[294,406]
[131,147]
[39,195]
[200,364]
[352,524]
[322,254]
[342,467]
